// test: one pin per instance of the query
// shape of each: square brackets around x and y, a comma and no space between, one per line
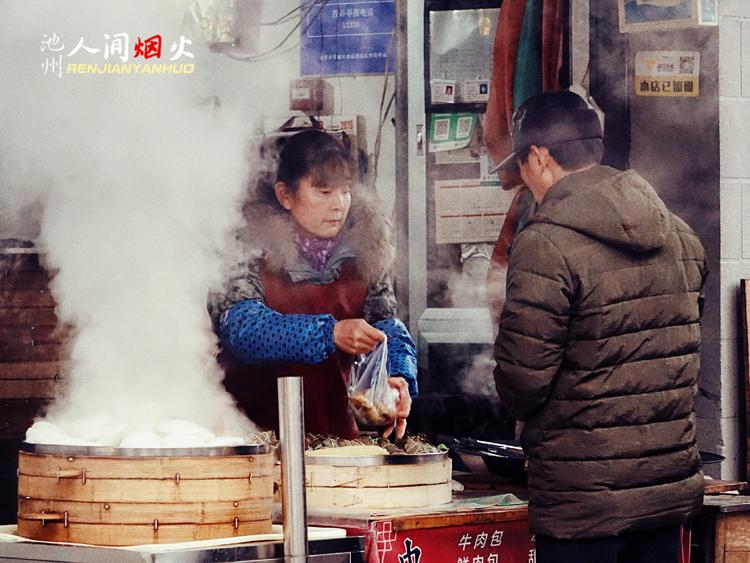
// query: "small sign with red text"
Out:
[501,542]
[667,73]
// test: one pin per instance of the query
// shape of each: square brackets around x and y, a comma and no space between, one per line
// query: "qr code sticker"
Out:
[687,65]
[463,127]
[442,129]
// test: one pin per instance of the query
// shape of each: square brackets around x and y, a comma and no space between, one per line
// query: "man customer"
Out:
[598,347]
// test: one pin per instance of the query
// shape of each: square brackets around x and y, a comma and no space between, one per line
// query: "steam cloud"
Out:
[139,186]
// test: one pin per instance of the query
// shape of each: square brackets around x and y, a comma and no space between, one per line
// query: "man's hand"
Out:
[356,336]
[403,407]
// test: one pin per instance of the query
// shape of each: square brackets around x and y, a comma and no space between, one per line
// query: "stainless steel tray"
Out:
[105,451]
[366,460]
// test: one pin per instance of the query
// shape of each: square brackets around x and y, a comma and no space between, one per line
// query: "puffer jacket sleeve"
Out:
[402,353]
[533,325]
[257,334]
[243,284]
[380,312]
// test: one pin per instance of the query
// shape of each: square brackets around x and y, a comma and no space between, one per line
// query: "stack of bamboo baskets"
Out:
[120,500]
[378,482]
[32,343]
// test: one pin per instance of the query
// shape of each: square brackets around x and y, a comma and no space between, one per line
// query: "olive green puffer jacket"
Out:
[598,351]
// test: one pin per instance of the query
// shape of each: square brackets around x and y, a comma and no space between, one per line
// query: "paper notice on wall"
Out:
[475,90]
[486,176]
[667,73]
[443,91]
[469,211]
[458,156]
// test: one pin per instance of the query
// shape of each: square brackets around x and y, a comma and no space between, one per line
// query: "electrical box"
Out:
[314,96]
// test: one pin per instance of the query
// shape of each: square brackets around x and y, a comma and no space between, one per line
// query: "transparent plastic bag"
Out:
[371,399]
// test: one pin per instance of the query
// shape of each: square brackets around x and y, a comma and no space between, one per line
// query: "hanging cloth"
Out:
[500,106]
[552,44]
[497,119]
[527,59]
[499,260]
[527,80]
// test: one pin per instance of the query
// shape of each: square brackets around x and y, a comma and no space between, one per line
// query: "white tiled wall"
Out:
[734,107]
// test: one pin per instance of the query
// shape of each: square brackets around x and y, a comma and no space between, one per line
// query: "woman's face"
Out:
[319,210]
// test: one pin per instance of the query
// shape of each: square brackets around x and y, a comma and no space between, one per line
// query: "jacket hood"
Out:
[618,207]
[269,232]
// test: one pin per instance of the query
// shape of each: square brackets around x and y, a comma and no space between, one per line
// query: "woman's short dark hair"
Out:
[310,153]
[572,155]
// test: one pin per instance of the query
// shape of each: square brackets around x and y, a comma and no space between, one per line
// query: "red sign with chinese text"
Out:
[506,542]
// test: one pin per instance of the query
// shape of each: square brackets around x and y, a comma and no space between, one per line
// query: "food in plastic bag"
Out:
[371,399]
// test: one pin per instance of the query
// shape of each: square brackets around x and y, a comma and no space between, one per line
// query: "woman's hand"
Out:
[356,336]
[403,407]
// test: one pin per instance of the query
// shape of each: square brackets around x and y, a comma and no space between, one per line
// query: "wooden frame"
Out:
[658,15]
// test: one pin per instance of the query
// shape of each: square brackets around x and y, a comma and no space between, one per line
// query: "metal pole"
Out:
[292,435]
[401,206]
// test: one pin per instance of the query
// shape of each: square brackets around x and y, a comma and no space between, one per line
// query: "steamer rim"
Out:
[106,451]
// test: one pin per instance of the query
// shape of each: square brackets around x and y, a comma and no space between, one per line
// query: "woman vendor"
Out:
[314,292]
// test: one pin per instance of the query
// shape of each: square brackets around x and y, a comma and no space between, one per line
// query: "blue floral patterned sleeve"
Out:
[257,334]
[402,353]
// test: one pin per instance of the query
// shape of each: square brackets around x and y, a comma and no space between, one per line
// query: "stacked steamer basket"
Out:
[115,496]
[32,356]
[31,341]
[388,481]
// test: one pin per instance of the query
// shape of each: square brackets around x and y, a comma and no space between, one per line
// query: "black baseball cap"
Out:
[549,119]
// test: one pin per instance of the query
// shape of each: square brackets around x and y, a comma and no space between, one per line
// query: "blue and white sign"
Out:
[347,37]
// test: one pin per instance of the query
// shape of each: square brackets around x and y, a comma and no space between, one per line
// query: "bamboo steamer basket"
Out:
[378,481]
[116,497]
